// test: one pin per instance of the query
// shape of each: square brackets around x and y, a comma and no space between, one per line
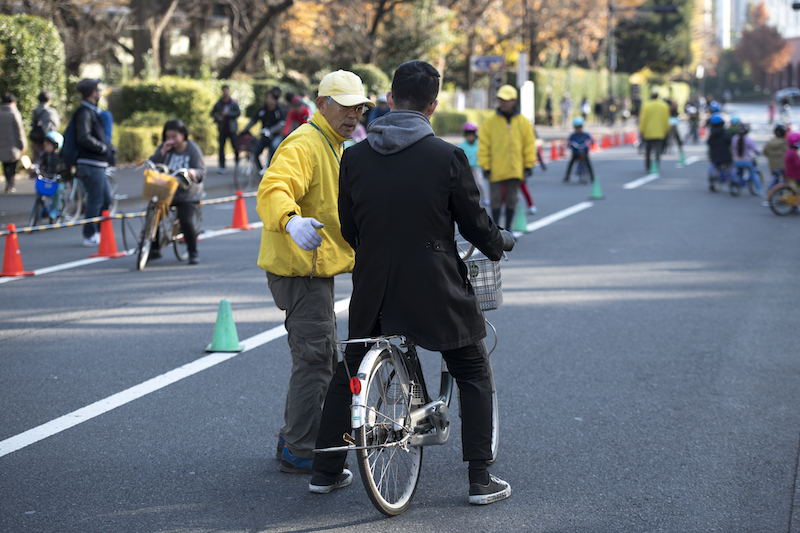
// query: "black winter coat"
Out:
[91,136]
[719,144]
[397,212]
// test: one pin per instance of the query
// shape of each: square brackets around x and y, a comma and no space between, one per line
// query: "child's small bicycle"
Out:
[738,180]
[53,197]
[718,176]
[581,150]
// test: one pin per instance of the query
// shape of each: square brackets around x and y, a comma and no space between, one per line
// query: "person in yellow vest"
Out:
[302,249]
[506,153]
[654,126]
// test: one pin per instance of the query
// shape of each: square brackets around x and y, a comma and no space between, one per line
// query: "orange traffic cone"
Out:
[562,149]
[12,260]
[240,213]
[702,130]
[108,244]
[616,138]
[553,151]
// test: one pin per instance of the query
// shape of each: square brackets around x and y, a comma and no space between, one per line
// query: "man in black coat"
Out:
[399,196]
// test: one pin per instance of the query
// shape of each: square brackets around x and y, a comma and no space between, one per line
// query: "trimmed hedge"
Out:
[374,79]
[31,60]
[135,144]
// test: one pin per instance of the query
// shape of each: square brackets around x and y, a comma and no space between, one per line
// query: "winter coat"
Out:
[719,144]
[774,150]
[46,117]
[654,120]
[192,158]
[399,194]
[506,147]
[791,163]
[228,123]
[93,148]
[12,136]
[303,178]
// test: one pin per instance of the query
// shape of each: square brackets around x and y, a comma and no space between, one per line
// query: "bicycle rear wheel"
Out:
[782,201]
[72,198]
[390,471]
[178,241]
[243,174]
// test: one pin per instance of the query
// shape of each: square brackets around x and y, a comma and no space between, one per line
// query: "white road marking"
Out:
[555,217]
[641,181]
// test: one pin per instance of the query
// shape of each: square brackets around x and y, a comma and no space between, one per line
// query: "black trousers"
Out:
[653,145]
[10,170]
[468,365]
[223,136]
[575,157]
[186,212]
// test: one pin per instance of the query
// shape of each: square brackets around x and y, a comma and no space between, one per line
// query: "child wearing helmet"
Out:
[470,147]
[579,141]
[719,144]
[791,160]
[744,149]
[775,149]
[50,164]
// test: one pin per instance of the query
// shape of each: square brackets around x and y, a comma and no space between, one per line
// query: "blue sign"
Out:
[487,63]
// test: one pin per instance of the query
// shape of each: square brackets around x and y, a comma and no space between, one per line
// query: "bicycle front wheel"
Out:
[113,188]
[243,173]
[389,471]
[146,237]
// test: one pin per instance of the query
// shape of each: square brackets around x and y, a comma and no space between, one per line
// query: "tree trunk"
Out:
[244,48]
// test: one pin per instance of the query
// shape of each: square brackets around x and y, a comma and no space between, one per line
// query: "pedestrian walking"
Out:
[408,278]
[44,119]
[506,153]
[226,112]
[566,109]
[12,139]
[654,127]
[302,249]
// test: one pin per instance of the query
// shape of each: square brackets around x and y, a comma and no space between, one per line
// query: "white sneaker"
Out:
[94,240]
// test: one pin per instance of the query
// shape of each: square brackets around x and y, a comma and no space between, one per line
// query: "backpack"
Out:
[69,152]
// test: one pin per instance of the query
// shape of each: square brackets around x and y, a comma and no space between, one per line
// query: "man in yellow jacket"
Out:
[654,126]
[302,249]
[506,153]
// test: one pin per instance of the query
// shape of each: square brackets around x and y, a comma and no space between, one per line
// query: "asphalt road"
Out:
[647,370]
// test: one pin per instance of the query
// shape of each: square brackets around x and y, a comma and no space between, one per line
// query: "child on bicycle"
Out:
[774,151]
[579,141]
[470,147]
[177,151]
[744,149]
[791,160]
[719,145]
[50,165]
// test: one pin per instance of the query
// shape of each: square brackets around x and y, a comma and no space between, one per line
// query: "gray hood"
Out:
[397,130]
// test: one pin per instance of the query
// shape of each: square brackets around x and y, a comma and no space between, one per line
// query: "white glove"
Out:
[304,232]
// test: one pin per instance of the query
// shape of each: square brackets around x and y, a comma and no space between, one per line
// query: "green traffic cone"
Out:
[225,338]
[653,167]
[520,220]
[681,159]
[597,194]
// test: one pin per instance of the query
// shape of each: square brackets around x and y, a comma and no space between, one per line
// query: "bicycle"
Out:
[393,414]
[581,170]
[246,170]
[784,198]
[44,206]
[738,180]
[777,178]
[161,219]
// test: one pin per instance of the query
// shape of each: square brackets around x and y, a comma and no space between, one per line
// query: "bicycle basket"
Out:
[484,275]
[160,185]
[245,142]
[46,187]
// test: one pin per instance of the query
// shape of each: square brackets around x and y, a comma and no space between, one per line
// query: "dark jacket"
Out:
[50,164]
[226,123]
[719,144]
[192,158]
[91,136]
[399,194]
[272,120]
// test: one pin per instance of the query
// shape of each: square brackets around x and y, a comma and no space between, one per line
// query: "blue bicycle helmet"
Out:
[56,138]
[735,120]
[714,106]
[716,119]
[577,121]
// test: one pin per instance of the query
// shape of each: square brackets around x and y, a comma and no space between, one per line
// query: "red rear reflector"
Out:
[355,385]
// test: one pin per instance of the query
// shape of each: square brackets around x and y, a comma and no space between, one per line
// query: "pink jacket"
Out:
[791,163]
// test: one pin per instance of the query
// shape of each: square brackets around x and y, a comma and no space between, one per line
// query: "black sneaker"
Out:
[496,490]
[322,484]
[193,259]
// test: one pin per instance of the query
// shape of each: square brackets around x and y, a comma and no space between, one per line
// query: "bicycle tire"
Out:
[243,173]
[581,171]
[714,183]
[751,183]
[390,474]
[778,201]
[495,412]
[37,213]
[735,188]
[72,200]
[146,238]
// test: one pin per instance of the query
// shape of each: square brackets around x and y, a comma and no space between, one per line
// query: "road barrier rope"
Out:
[94,220]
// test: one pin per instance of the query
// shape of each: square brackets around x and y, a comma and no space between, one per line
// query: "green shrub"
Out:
[136,144]
[31,60]
[448,122]
[374,79]
[146,119]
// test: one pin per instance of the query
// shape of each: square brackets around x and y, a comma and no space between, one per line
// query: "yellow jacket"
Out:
[654,120]
[304,177]
[506,148]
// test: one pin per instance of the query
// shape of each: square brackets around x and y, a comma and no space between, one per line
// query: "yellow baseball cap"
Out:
[344,87]
[507,92]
